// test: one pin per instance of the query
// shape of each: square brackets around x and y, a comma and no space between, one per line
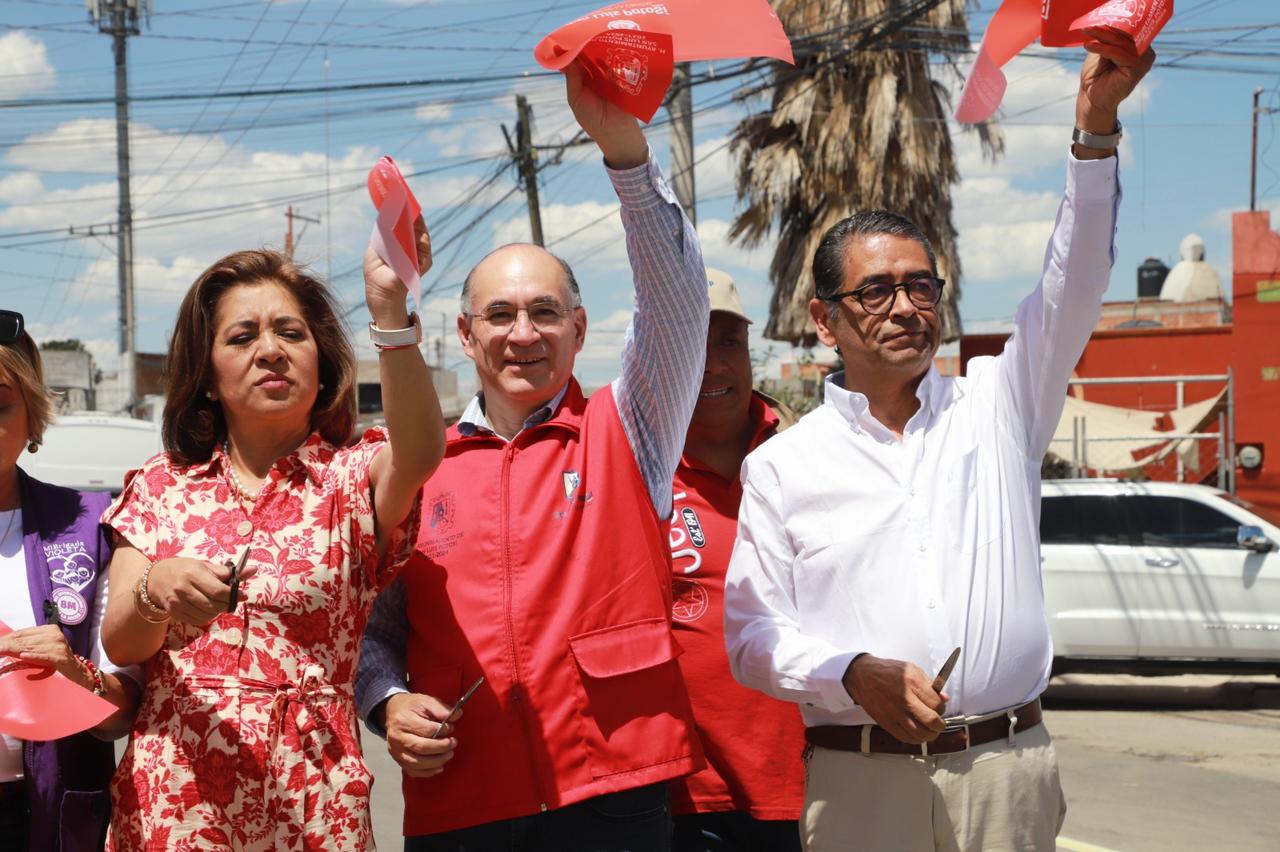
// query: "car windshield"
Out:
[1271,516]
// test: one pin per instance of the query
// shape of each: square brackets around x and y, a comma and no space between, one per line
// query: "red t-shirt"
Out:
[753,743]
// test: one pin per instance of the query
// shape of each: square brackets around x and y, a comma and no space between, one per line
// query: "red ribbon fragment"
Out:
[1057,23]
[393,237]
[37,703]
[629,50]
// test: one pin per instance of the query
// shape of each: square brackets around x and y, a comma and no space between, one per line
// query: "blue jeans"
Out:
[734,831]
[637,820]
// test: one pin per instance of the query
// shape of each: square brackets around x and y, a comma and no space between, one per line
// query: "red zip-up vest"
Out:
[542,565]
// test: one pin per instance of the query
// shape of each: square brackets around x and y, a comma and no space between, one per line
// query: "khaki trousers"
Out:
[992,797]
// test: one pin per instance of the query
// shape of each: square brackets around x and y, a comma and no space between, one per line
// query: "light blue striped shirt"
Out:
[663,356]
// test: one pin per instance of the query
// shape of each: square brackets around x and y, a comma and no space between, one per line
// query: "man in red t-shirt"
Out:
[751,793]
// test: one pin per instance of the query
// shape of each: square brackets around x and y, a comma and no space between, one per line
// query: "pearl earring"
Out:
[322,386]
[208,395]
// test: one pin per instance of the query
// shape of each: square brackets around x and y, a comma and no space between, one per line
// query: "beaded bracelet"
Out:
[142,602]
[99,683]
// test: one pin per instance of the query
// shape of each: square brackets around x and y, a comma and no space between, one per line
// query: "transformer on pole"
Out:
[120,19]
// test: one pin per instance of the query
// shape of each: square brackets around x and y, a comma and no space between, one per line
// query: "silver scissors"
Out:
[945,672]
[466,696]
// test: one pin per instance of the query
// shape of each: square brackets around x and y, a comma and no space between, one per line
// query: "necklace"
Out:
[12,516]
[235,480]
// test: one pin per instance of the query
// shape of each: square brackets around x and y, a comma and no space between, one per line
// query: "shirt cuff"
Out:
[641,186]
[1093,180]
[829,678]
[378,692]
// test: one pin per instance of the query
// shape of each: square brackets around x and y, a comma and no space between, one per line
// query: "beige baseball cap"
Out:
[724,294]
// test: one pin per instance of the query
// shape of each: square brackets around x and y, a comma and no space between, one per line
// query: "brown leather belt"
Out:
[950,741]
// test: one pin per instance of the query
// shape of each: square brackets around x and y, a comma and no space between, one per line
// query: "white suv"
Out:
[1159,577]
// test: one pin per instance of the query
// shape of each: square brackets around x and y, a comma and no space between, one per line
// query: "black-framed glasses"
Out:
[877,297]
[11,326]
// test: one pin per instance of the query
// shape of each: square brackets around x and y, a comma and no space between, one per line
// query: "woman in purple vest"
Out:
[53,592]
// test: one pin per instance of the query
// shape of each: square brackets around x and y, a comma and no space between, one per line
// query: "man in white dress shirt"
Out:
[900,521]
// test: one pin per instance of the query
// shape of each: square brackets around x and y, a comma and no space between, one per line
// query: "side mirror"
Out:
[1252,538]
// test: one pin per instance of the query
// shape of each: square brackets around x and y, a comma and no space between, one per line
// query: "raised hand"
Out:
[415,737]
[384,292]
[615,130]
[898,696]
[1110,74]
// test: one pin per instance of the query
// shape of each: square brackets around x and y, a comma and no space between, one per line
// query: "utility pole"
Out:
[680,108]
[119,19]
[289,241]
[1253,160]
[526,158]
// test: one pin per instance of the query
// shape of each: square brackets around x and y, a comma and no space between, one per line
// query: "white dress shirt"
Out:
[851,540]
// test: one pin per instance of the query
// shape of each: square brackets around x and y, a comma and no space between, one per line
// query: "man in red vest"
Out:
[750,795]
[543,564]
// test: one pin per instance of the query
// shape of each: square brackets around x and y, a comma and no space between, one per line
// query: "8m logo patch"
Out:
[694,527]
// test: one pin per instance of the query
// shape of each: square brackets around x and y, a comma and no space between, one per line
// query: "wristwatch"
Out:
[399,338]
[1097,141]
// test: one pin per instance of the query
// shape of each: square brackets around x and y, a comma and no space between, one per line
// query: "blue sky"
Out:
[212,175]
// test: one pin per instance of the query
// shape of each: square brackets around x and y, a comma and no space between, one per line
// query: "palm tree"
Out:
[859,123]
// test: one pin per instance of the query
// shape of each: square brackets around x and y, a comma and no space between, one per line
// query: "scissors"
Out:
[466,696]
[945,671]
[236,568]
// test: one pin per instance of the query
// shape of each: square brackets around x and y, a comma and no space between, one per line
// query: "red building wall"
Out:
[1255,289]
[1249,346]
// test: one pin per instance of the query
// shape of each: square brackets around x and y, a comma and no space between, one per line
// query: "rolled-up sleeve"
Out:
[768,648]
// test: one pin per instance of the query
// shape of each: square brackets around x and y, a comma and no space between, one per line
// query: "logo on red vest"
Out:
[442,509]
[572,479]
[689,600]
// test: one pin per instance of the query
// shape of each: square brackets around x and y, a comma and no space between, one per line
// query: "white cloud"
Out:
[24,66]
[717,250]
[591,230]
[433,112]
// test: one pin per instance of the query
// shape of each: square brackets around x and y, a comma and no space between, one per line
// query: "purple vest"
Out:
[67,551]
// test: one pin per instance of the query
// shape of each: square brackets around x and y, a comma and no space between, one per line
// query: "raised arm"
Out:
[665,347]
[415,426]
[1053,324]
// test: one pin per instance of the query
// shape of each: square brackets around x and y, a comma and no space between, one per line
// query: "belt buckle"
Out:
[958,727]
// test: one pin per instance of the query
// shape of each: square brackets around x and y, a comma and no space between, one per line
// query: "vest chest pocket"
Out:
[631,696]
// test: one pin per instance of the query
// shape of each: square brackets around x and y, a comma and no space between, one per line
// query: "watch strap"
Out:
[397,338]
[1098,141]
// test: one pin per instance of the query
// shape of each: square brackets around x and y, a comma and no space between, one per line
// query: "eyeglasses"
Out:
[878,297]
[10,327]
[543,316]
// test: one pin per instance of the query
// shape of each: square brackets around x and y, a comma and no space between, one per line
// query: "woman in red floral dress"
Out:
[246,737]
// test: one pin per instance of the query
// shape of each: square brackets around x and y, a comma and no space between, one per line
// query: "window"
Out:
[1082,519]
[1175,522]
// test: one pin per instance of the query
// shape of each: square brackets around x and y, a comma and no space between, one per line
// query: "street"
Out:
[1189,762]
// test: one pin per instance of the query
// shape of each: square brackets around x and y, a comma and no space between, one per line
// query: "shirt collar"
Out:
[854,409]
[313,456]
[473,419]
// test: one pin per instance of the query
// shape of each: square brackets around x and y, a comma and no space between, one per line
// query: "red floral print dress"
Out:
[246,738]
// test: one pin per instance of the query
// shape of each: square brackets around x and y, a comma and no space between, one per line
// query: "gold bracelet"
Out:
[147,608]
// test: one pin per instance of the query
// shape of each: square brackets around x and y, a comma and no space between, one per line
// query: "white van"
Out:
[91,451]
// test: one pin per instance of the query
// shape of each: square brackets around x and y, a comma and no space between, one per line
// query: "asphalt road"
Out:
[1170,763]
